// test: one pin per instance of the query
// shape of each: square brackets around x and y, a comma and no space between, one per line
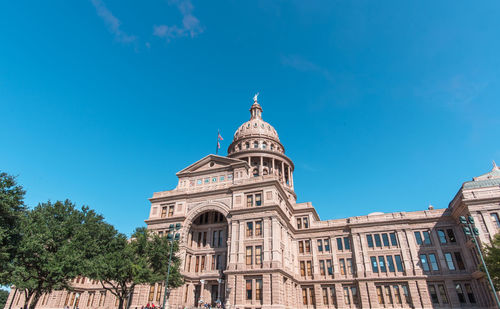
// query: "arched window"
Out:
[255,144]
[239,147]
[272,146]
[247,145]
[264,145]
[255,172]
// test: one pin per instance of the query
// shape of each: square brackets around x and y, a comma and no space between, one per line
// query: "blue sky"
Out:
[383,106]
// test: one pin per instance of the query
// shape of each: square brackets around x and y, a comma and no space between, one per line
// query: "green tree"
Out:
[57,242]
[11,209]
[492,259]
[3,298]
[141,260]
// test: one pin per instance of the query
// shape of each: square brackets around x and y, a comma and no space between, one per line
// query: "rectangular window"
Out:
[202,267]
[305,220]
[442,236]
[397,293]
[302,268]
[197,265]
[449,261]
[171,210]
[249,289]
[369,239]
[258,289]
[390,263]
[378,242]
[347,298]
[322,267]
[342,266]
[151,292]
[349,266]
[394,241]
[388,294]
[325,296]
[299,223]
[249,229]
[433,294]
[399,264]
[164,211]
[249,200]
[442,293]
[304,296]
[258,199]
[470,294]
[427,238]
[374,264]
[320,245]
[451,235]
[460,262]
[329,267]
[406,293]
[249,254]
[460,293]
[308,246]
[347,244]
[496,219]
[213,262]
[418,238]
[301,247]
[385,239]
[339,244]
[380,295]
[327,245]
[425,263]
[309,268]
[204,239]
[381,263]
[258,228]
[258,255]
[434,264]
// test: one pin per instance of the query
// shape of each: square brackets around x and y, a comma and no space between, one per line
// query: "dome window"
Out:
[272,146]
[255,125]
[264,145]
[247,145]
[262,125]
[255,144]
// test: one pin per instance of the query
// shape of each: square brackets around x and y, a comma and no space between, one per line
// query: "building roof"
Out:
[490,179]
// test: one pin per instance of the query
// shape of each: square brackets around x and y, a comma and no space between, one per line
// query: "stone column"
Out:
[267,242]
[272,162]
[261,166]
[276,240]
[426,300]
[360,255]
[289,176]
[412,248]
[241,247]
[282,171]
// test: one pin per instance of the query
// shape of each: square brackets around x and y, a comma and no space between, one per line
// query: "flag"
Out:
[219,138]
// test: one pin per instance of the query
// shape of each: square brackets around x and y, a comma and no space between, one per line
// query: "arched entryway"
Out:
[206,258]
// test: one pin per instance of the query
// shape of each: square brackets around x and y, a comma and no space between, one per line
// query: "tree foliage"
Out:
[141,260]
[3,298]
[11,209]
[492,259]
[57,243]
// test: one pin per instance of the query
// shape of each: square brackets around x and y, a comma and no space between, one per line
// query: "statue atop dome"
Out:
[255,97]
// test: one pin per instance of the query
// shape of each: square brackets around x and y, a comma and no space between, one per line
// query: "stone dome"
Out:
[256,127]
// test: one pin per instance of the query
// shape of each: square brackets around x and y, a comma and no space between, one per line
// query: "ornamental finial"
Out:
[495,167]
[255,97]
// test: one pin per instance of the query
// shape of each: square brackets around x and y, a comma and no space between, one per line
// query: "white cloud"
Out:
[190,24]
[301,64]
[112,22]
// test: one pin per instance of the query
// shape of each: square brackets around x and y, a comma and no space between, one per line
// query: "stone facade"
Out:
[246,241]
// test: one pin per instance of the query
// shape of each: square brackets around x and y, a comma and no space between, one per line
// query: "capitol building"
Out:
[245,241]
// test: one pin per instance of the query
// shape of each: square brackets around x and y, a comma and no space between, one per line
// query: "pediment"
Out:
[209,163]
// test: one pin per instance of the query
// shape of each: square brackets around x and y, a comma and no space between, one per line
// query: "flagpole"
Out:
[217,144]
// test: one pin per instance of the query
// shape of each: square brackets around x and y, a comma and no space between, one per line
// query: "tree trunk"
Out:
[27,296]
[36,297]
[120,302]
